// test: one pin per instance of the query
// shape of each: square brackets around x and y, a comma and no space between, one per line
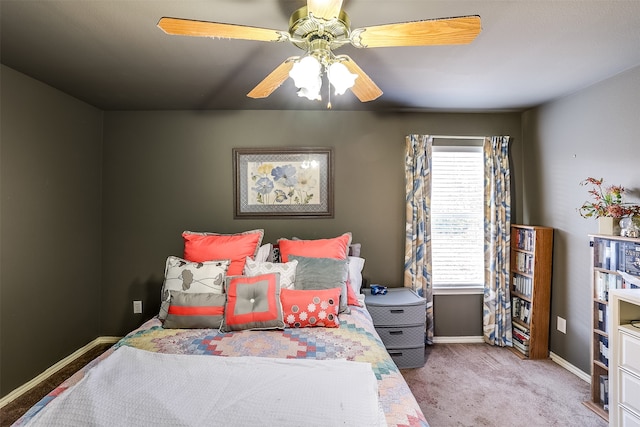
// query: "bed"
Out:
[311,369]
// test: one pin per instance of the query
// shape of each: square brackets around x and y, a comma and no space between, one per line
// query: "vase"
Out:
[609,226]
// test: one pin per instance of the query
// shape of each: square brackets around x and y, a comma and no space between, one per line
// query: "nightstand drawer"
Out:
[408,357]
[629,352]
[629,391]
[397,315]
[406,336]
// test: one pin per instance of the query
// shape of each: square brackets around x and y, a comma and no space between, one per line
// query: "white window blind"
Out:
[457,216]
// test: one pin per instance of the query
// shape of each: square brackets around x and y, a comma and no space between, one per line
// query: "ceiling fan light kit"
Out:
[318,29]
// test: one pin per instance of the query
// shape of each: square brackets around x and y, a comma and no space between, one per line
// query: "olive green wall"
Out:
[50,226]
[594,133]
[165,172]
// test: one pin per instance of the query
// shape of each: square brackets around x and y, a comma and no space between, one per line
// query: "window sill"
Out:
[458,290]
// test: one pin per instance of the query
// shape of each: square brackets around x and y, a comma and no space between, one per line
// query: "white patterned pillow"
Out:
[191,277]
[287,271]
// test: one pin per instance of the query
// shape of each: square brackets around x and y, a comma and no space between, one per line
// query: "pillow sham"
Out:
[253,303]
[264,253]
[205,246]
[287,271]
[194,311]
[354,249]
[191,277]
[311,308]
[356,264]
[336,248]
[323,273]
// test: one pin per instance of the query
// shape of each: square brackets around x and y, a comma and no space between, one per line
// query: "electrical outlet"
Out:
[137,307]
[562,325]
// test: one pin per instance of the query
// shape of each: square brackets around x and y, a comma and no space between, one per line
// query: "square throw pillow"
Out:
[191,277]
[206,246]
[323,273]
[337,248]
[287,271]
[253,303]
[311,308]
[195,311]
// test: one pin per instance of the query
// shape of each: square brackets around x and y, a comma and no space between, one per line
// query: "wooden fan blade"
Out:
[187,27]
[461,30]
[325,9]
[273,80]
[364,88]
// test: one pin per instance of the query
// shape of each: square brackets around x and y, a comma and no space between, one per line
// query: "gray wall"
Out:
[94,202]
[594,133]
[50,226]
[165,172]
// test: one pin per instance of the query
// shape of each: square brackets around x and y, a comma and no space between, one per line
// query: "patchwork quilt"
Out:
[355,340]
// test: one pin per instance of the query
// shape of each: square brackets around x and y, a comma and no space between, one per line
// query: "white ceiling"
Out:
[110,53]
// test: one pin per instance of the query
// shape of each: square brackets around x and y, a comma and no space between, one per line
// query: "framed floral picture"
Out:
[283,182]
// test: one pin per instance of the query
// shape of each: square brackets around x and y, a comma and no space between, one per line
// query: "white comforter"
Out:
[135,387]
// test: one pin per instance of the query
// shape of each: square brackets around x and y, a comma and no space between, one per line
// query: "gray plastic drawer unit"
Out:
[399,318]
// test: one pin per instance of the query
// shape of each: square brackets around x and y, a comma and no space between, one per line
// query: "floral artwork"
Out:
[284,182]
[288,182]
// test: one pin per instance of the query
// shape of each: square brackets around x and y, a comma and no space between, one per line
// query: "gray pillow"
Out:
[323,273]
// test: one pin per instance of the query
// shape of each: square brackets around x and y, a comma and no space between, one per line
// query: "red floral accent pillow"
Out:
[310,308]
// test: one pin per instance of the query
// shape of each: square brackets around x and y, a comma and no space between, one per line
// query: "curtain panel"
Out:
[496,320]
[417,258]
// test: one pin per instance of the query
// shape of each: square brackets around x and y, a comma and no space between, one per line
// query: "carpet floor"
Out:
[470,385]
[479,385]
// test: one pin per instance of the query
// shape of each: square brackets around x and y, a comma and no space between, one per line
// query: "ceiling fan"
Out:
[319,28]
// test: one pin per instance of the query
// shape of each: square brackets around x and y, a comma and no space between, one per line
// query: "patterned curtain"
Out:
[417,258]
[496,320]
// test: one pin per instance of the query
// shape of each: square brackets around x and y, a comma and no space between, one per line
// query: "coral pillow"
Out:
[311,308]
[200,247]
[253,303]
[336,248]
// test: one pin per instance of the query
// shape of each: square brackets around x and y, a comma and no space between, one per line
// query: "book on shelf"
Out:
[604,391]
[606,281]
[524,262]
[602,318]
[631,258]
[523,284]
[603,351]
[524,239]
[520,309]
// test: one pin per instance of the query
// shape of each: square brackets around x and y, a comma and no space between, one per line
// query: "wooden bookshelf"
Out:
[610,255]
[530,287]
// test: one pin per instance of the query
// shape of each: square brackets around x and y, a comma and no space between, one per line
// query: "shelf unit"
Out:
[624,387]
[530,287]
[612,257]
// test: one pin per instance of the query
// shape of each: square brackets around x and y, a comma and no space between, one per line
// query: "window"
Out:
[457,215]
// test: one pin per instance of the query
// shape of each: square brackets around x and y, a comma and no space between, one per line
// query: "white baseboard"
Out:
[458,340]
[569,367]
[55,368]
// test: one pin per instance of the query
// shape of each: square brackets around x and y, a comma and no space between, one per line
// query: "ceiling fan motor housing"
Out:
[305,30]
